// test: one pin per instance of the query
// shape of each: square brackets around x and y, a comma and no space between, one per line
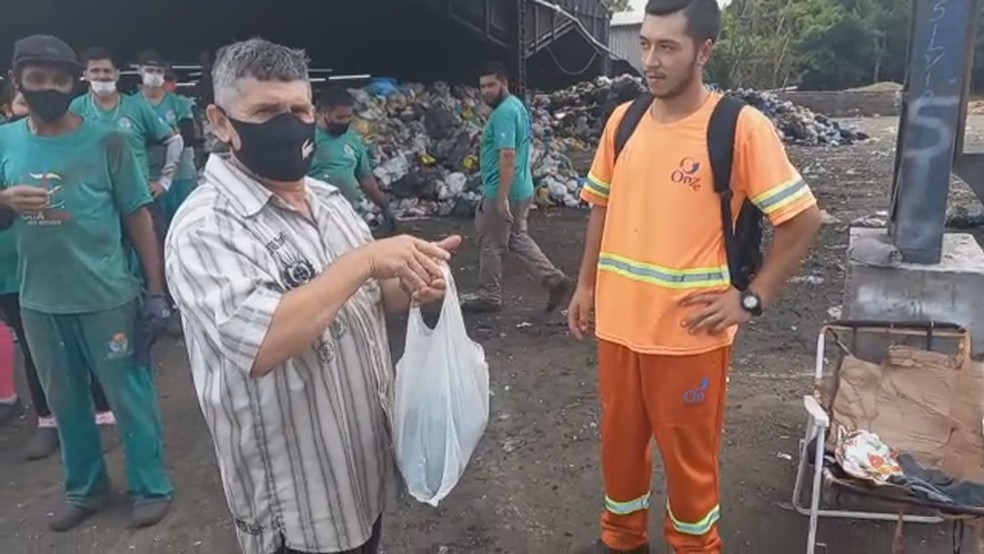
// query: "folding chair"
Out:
[897,503]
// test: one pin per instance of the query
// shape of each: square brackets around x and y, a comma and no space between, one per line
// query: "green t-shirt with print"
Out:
[71,257]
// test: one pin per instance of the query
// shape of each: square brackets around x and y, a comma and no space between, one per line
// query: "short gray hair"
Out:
[256,58]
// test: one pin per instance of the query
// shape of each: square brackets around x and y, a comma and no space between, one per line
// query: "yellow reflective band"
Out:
[699,528]
[597,186]
[781,196]
[699,277]
[626,508]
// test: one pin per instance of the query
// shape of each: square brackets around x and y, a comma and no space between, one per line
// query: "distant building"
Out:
[623,40]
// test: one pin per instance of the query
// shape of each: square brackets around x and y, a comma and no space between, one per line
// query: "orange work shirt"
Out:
[663,239]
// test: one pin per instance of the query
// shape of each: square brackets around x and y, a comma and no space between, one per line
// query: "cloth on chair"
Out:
[936,485]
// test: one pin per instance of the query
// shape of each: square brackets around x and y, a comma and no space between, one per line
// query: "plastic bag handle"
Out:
[450,310]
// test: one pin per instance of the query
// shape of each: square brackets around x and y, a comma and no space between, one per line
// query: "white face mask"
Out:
[153,80]
[103,88]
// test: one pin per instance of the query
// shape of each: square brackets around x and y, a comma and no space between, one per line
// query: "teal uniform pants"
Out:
[65,347]
[176,195]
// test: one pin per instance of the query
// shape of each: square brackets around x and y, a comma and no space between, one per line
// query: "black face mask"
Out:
[336,129]
[280,149]
[49,105]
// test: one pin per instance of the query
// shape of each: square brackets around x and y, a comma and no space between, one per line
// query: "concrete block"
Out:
[879,287]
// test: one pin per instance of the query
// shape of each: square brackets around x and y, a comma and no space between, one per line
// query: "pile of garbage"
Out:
[582,110]
[796,124]
[425,138]
[425,141]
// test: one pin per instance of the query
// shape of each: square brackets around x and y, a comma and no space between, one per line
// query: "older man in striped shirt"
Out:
[282,292]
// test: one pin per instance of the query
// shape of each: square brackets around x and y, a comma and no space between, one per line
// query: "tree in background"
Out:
[818,44]
[617,5]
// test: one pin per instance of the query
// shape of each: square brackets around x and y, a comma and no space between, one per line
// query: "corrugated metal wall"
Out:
[624,41]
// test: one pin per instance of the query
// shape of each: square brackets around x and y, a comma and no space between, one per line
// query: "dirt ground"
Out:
[534,484]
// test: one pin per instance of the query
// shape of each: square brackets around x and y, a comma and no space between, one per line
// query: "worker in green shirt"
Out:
[341,158]
[501,217]
[73,181]
[44,442]
[139,124]
[176,111]
[135,118]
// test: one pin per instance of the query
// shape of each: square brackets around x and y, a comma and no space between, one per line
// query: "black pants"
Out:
[371,547]
[10,306]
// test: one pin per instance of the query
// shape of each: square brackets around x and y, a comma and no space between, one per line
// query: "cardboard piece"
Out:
[928,404]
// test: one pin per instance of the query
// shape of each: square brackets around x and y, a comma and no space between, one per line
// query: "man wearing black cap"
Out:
[72,181]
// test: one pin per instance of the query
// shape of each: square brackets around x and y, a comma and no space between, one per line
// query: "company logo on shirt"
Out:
[686,173]
[55,214]
[125,123]
[349,151]
[169,116]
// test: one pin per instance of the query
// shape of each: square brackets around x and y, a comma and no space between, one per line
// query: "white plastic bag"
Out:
[442,401]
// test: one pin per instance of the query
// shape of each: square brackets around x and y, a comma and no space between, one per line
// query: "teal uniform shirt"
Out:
[341,161]
[509,127]
[135,118]
[172,109]
[8,250]
[71,257]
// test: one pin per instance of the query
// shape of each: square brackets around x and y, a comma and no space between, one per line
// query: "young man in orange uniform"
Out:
[656,273]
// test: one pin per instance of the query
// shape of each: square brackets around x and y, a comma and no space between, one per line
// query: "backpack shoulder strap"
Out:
[630,120]
[721,141]
[721,132]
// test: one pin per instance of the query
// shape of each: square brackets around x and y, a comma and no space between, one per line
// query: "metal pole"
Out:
[934,94]
[520,45]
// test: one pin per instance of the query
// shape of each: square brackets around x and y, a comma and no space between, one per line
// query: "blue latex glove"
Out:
[154,312]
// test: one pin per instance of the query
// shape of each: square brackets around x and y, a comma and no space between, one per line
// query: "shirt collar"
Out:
[244,193]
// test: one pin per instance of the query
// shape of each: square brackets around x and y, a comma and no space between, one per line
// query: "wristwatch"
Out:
[751,303]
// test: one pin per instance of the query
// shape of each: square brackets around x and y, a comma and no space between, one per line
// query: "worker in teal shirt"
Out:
[132,115]
[501,217]
[141,126]
[44,441]
[73,182]
[341,158]
[177,112]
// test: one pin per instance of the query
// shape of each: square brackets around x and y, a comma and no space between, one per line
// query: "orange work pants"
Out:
[679,400]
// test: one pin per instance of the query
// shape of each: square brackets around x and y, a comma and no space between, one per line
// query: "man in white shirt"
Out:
[282,293]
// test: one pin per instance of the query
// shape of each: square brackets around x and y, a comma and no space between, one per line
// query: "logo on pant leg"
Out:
[118,347]
[696,396]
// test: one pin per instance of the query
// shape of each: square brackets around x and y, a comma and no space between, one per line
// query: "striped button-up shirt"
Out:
[305,452]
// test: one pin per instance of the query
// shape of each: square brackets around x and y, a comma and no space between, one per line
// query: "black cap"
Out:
[44,49]
[151,57]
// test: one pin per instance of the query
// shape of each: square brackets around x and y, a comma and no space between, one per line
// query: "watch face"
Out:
[750,302]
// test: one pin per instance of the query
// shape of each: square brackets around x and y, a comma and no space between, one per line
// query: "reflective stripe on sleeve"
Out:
[781,196]
[596,186]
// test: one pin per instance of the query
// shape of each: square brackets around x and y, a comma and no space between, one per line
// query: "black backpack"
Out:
[743,241]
